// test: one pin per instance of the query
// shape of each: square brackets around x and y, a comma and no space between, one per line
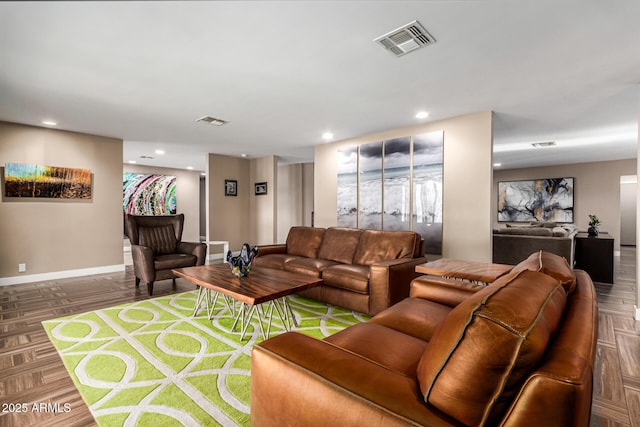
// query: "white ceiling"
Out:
[284,72]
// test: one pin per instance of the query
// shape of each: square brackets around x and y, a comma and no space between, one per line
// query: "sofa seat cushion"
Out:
[376,246]
[165,262]
[310,266]
[304,241]
[390,348]
[349,277]
[275,261]
[481,353]
[413,316]
[340,244]
[551,264]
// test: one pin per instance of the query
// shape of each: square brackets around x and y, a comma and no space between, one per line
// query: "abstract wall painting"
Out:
[548,199]
[428,152]
[370,186]
[27,180]
[348,187]
[146,194]
[397,184]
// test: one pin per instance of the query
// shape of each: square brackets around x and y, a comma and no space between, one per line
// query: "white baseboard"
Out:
[54,275]
[637,312]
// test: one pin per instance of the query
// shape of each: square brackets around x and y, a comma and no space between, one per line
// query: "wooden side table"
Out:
[477,272]
[595,256]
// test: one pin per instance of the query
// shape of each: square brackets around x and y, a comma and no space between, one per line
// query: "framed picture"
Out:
[230,187]
[548,199]
[261,188]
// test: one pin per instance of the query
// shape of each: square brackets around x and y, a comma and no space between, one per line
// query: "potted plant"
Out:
[594,223]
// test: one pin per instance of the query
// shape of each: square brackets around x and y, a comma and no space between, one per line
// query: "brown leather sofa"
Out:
[157,247]
[518,352]
[362,270]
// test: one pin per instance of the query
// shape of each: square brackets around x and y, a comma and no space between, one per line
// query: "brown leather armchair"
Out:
[156,247]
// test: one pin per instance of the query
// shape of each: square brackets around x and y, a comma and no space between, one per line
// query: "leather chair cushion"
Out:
[350,277]
[413,316]
[165,262]
[551,264]
[401,352]
[340,244]
[309,266]
[304,241]
[482,352]
[274,261]
[161,239]
[376,246]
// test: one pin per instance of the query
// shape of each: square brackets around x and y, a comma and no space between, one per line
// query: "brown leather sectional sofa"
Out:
[362,270]
[518,352]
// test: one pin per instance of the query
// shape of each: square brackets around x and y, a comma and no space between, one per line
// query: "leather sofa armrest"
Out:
[143,263]
[272,249]
[300,379]
[389,282]
[442,290]
[194,248]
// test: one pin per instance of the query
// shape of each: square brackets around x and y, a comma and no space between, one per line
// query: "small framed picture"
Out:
[230,187]
[261,188]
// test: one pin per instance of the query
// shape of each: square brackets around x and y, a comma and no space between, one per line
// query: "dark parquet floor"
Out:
[31,371]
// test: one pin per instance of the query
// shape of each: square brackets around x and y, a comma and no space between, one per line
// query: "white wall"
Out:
[467,182]
[628,212]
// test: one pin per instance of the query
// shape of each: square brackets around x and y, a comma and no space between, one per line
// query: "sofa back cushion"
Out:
[304,241]
[376,246]
[551,264]
[161,239]
[485,348]
[340,244]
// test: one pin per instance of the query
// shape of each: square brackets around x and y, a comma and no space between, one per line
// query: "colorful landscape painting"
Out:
[145,194]
[26,180]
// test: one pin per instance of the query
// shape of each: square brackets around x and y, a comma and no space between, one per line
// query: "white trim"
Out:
[616,253]
[637,312]
[54,275]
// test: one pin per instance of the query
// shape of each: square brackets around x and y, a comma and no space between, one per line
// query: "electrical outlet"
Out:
[22,268]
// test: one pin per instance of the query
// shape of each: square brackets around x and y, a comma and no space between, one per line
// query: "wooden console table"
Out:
[595,256]
[478,272]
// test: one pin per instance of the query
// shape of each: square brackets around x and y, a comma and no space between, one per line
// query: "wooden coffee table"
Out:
[262,285]
[477,272]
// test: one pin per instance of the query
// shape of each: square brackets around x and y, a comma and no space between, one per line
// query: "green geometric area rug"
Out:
[151,363]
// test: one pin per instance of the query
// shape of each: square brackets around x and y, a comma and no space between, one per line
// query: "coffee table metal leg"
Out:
[202,294]
[290,310]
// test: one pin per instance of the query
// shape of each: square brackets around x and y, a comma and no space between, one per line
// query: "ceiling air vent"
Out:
[212,121]
[543,144]
[146,157]
[405,39]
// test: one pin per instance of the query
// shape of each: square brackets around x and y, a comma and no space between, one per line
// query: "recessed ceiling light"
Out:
[203,174]
[497,165]
[49,123]
[422,115]
[190,168]
[159,151]
[327,136]
[243,155]
[133,162]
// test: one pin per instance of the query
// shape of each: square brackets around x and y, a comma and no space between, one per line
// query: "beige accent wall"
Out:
[307,193]
[597,190]
[295,197]
[263,207]
[50,235]
[467,182]
[246,217]
[187,196]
